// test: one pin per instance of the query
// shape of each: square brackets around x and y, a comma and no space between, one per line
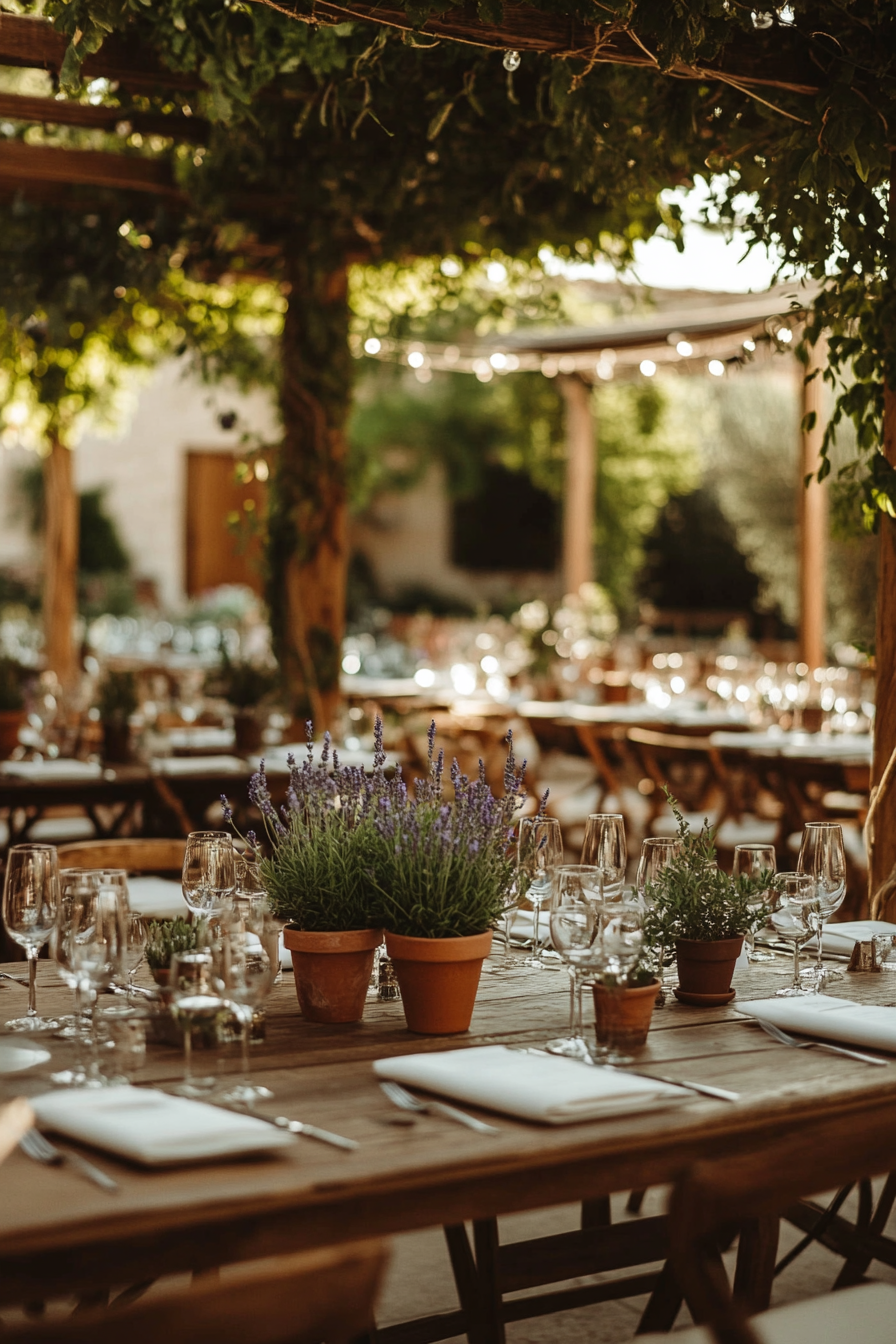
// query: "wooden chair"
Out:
[297,1299]
[750,1192]
[137,856]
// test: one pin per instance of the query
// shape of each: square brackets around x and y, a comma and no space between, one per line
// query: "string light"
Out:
[512,61]
[716,368]
[647,367]
[372,346]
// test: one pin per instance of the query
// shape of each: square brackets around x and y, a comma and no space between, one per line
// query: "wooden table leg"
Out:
[854,1268]
[663,1305]
[466,1280]
[755,1271]
[485,1240]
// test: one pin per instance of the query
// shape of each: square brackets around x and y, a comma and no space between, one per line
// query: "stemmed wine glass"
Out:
[754,861]
[657,852]
[95,944]
[30,901]
[196,1000]
[604,846]
[575,899]
[134,947]
[794,907]
[540,850]
[209,873]
[244,978]
[75,887]
[617,947]
[822,856]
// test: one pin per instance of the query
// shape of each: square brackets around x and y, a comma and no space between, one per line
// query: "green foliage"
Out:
[100,548]
[242,682]
[694,899]
[117,697]
[12,696]
[166,937]
[693,560]
[319,878]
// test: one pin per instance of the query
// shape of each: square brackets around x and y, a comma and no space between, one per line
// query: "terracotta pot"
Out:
[707,968]
[11,720]
[332,971]
[117,743]
[161,975]
[438,979]
[629,1011]
[617,688]
[246,732]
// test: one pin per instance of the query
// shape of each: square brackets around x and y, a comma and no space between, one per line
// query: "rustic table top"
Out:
[58,1231]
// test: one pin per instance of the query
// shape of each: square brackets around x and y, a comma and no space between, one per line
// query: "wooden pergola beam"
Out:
[21,164]
[37,44]
[62,112]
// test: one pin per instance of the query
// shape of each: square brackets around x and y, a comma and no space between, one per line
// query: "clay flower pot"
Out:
[332,971]
[117,743]
[247,732]
[438,979]
[628,1010]
[705,970]
[11,720]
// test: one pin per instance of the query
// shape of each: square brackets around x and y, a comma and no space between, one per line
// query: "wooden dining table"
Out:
[61,1234]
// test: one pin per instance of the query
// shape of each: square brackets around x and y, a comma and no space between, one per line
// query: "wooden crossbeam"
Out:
[58,112]
[36,43]
[21,164]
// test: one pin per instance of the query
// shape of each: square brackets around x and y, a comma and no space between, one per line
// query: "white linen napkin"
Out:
[153,1128]
[61,768]
[544,1088]
[199,765]
[833,1019]
[842,938]
[156,897]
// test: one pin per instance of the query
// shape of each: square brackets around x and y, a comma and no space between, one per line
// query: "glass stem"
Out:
[535,948]
[796,965]
[505,961]
[32,981]
[572,1001]
[188,1054]
[91,1031]
[577,981]
[244,1048]
[819,934]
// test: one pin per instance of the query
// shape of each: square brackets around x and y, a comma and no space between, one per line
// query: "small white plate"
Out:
[18,1058]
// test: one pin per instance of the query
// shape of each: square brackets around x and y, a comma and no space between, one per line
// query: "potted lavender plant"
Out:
[443,869]
[319,877]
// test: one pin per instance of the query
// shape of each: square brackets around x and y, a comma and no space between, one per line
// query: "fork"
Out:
[785,1038]
[407,1102]
[16,979]
[41,1150]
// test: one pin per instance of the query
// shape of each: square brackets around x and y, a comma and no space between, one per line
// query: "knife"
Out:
[719,1093]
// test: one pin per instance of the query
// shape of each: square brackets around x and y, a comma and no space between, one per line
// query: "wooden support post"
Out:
[60,562]
[882,827]
[813,516]
[579,493]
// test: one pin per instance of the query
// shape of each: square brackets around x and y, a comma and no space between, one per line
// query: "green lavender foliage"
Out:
[694,899]
[168,936]
[320,877]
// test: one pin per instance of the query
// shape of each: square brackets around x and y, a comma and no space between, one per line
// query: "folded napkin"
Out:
[832,1019]
[156,897]
[546,1088]
[153,1128]
[199,765]
[60,768]
[843,937]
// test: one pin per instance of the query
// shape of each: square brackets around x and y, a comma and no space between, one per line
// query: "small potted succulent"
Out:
[319,877]
[623,1012]
[117,701]
[165,937]
[12,706]
[704,913]
[443,870]
[246,685]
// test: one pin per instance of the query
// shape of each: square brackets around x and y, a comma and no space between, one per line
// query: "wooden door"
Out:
[222,489]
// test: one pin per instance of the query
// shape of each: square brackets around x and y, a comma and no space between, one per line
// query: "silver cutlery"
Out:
[41,1150]
[312,1132]
[407,1102]
[785,1038]
[16,979]
[704,1089]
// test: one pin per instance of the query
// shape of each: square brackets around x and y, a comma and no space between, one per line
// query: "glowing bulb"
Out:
[512,61]
[685,349]
[451,267]
[425,677]
[17,413]
[416,359]
[351,664]
[785,335]
[647,367]
[498,360]
[372,346]
[496,272]
[716,368]
[749,345]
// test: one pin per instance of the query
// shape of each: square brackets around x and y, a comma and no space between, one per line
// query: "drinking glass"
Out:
[754,861]
[209,874]
[540,850]
[617,946]
[604,845]
[244,979]
[822,857]
[95,942]
[657,852]
[575,899]
[75,887]
[30,900]
[134,947]
[195,1002]
[261,922]
[794,907]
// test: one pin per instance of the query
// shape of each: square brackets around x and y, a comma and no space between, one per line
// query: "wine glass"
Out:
[95,944]
[75,887]
[618,944]
[209,873]
[822,856]
[244,978]
[30,901]
[195,1001]
[134,947]
[794,906]
[604,845]
[754,861]
[540,850]
[575,898]
[657,852]
[261,922]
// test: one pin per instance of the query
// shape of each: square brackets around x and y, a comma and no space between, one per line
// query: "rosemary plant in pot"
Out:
[117,701]
[12,706]
[319,877]
[248,686]
[704,913]
[623,1013]
[443,869]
